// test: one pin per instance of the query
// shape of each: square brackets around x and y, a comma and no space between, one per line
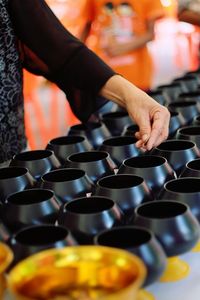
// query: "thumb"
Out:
[145,129]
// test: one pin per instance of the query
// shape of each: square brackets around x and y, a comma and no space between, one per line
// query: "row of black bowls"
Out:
[94,186]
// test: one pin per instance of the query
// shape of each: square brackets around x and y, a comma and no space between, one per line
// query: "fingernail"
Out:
[144,137]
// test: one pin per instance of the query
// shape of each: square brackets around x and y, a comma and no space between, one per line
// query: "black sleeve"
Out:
[79,72]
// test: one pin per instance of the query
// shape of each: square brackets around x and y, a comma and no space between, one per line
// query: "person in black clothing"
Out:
[32,37]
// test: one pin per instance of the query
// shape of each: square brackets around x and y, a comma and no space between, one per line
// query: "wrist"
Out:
[121,91]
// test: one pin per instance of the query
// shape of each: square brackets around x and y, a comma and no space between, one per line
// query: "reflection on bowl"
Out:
[81,272]
[38,162]
[155,170]
[96,164]
[191,133]
[171,91]
[36,238]
[87,216]
[176,121]
[29,207]
[14,179]
[191,169]
[116,121]
[120,148]
[185,190]
[189,109]
[176,229]
[64,146]
[95,132]
[177,152]
[128,191]
[67,184]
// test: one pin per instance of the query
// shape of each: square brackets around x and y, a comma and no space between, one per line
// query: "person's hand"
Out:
[115,48]
[151,117]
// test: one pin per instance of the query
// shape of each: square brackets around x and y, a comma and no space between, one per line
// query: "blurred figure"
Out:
[73,14]
[119,31]
[189,12]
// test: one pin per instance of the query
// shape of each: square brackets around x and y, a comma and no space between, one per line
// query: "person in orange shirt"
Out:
[119,32]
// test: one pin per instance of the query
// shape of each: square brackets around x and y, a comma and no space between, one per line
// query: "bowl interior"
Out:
[82,272]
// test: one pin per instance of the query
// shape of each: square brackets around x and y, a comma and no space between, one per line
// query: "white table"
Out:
[185,289]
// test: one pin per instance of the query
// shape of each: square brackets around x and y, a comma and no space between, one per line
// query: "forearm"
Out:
[118,89]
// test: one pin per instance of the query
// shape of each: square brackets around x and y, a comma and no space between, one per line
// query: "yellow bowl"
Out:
[78,273]
[6,257]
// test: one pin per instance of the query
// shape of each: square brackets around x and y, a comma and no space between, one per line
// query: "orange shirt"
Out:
[73,14]
[125,19]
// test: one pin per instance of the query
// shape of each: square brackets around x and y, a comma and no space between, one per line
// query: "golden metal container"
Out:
[78,273]
[6,257]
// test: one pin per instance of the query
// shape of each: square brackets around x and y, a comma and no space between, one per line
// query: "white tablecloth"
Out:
[185,289]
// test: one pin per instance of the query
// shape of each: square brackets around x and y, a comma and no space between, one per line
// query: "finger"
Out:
[159,130]
[158,135]
[141,146]
[145,131]
[138,135]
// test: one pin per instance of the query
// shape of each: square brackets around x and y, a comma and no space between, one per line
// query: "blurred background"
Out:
[174,50]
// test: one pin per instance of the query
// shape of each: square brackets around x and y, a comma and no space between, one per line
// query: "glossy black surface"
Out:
[177,152]
[38,162]
[189,83]
[196,120]
[191,133]
[172,222]
[95,132]
[190,96]
[138,241]
[130,130]
[171,90]
[116,121]
[186,190]
[67,184]
[176,121]
[120,148]
[14,179]
[189,109]
[33,239]
[64,146]
[191,169]
[154,169]
[86,217]
[128,191]
[29,207]
[96,164]
[159,96]
[195,74]
[110,106]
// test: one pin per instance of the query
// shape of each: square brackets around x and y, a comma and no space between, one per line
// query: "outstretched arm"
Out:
[81,74]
